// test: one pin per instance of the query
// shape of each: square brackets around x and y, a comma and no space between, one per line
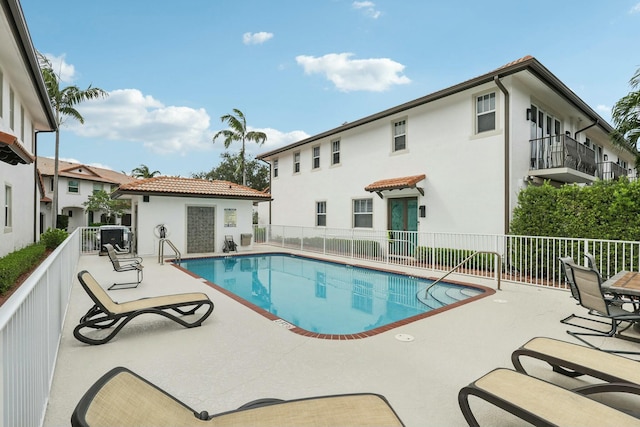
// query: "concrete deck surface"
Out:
[237,355]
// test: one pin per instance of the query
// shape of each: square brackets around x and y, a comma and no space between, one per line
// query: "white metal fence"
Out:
[30,328]
[525,259]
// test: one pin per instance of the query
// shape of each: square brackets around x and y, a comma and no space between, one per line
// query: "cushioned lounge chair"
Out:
[540,402]
[575,360]
[123,398]
[108,314]
[121,264]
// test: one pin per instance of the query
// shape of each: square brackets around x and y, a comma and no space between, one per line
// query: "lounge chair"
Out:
[121,264]
[588,283]
[575,360]
[229,245]
[107,313]
[540,402]
[123,398]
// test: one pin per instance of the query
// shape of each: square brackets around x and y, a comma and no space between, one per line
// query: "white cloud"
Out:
[635,9]
[368,7]
[128,115]
[277,139]
[66,72]
[256,38]
[604,109]
[375,74]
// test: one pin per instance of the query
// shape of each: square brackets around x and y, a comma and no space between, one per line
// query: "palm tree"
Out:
[626,117]
[238,132]
[63,102]
[142,171]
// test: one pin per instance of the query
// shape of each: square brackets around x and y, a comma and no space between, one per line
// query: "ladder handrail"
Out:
[161,250]
[499,270]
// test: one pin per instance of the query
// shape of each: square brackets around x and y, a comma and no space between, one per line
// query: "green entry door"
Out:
[403,217]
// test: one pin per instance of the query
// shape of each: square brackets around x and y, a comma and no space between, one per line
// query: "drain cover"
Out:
[404,337]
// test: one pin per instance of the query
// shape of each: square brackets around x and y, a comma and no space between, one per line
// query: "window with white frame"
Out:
[321,214]
[21,123]
[97,187]
[363,213]
[1,93]
[73,186]
[275,168]
[7,206]
[335,152]
[399,135]
[315,158]
[486,112]
[12,113]
[296,162]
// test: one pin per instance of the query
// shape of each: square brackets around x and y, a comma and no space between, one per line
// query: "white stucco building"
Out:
[76,183]
[197,214]
[451,161]
[24,111]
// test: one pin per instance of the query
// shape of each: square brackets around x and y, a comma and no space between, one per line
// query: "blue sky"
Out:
[296,68]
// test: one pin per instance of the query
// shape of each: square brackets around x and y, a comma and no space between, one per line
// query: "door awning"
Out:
[396,184]
[12,152]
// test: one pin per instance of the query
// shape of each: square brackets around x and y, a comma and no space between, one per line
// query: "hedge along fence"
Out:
[449,258]
[15,264]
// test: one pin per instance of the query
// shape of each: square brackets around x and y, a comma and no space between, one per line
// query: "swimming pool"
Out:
[327,299]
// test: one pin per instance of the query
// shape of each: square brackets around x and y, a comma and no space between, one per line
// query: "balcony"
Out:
[563,159]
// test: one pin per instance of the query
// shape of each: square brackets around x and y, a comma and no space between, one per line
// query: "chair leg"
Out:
[128,285]
[613,332]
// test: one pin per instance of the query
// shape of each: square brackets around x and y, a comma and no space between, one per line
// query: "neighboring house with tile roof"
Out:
[197,214]
[24,111]
[76,183]
[451,161]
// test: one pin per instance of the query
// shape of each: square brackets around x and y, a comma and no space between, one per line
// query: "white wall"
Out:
[172,212]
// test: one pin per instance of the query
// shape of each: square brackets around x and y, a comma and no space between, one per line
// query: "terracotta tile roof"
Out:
[12,152]
[192,187]
[80,171]
[517,61]
[395,183]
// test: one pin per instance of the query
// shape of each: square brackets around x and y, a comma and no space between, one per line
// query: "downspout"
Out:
[507,199]
[575,135]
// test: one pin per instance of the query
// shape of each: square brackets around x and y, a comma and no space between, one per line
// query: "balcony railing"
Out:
[610,170]
[562,151]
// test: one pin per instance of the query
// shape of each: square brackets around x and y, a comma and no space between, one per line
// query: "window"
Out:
[296,162]
[316,157]
[7,206]
[1,93]
[21,123]
[335,152]
[97,188]
[321,214]
[275,168]
[73,186]
[399,135]
[486,112]
[363,213]
[12,114]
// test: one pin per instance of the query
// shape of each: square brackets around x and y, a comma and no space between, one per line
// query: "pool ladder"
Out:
[178,257]
[464,261]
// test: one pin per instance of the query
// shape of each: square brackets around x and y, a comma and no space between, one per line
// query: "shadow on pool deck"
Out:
[238,355]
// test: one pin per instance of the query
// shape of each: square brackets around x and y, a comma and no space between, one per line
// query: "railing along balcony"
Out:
[562,151]
[610,170]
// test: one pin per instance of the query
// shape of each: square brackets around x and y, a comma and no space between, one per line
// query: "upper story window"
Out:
[486,112]
[363,213]
[1,93]
[335,152]
[399,135]
[12,113]
[275,168]
[97,187]
[74,186]
[7,206]
[316,157]
[21,123]
[296,162]
[321,214]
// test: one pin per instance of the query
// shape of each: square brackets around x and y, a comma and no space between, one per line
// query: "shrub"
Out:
[15,264]
[53,237]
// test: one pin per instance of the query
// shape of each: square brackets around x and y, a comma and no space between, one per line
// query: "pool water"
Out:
[326,297]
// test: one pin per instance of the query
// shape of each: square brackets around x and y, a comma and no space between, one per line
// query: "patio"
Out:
[238,355]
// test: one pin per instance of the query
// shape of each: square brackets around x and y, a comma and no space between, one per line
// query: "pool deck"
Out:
[238,355]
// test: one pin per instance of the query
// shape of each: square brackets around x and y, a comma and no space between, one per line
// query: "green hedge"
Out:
[446,257]
[19,262]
